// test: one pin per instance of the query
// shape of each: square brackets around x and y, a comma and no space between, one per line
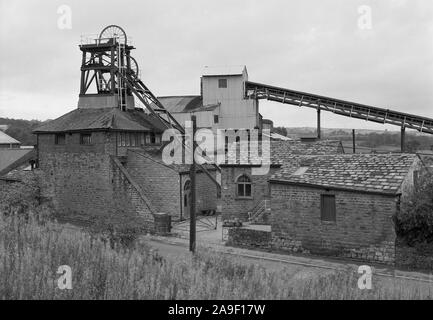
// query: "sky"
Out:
[372,52]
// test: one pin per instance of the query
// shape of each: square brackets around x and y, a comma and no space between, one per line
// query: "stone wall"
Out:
[206,192]
[233,206]
[249,238]
[78,177]
[160,183]
[363,228]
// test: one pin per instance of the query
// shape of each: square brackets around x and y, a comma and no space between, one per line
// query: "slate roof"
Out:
[10,159]
[103,119]
[383,173]
[286,152]
[6,139]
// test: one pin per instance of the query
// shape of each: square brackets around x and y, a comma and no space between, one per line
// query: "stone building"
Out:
[99,165]
[245,196]
[341,205]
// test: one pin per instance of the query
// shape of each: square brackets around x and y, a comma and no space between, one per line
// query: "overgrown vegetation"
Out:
[414,224]
[21,130]
[31,250]
[33,246]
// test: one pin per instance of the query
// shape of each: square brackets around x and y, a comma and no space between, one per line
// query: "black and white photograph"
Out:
[218,158]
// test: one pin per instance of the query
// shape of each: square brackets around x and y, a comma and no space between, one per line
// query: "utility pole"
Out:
[353,141]
[192,172]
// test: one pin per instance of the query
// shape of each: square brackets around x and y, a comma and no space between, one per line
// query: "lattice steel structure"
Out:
[345,108]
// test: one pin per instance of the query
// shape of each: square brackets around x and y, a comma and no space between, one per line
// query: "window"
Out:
[222,83]
[133,139]
[215,118]
[86,138]
[60,139]
[327,208]
[143,139]
[243,186]
[152,138]
[158,139]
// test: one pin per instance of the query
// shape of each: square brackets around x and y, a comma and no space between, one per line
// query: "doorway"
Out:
[186,199]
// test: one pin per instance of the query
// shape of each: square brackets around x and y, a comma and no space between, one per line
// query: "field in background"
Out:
[32,251]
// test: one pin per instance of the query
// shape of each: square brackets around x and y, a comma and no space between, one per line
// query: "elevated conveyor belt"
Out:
[345,108]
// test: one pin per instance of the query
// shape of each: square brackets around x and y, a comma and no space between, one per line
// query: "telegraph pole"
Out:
[192,224]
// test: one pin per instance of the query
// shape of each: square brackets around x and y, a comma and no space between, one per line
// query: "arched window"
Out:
[186,193]
[243,186]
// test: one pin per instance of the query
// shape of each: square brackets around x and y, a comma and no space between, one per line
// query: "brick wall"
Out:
[234,207]
[363,229]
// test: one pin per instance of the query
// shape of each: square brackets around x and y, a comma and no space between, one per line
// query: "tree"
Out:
[281,130]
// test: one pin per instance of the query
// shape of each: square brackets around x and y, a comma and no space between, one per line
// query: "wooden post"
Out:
[403,139]
[353,141]
[318,124]
[192,224]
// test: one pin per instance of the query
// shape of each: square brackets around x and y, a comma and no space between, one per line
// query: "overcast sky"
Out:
[312,46]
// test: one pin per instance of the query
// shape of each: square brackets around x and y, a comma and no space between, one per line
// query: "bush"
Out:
[414,224]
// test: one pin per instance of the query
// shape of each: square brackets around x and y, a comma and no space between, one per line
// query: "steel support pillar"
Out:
[319,134]
[403,139]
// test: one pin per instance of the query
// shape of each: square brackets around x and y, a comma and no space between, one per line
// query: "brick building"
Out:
[341,205]
[244,195]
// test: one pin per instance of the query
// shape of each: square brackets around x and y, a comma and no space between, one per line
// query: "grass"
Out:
[31,252]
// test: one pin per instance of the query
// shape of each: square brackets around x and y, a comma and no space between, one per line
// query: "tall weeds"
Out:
[31,252]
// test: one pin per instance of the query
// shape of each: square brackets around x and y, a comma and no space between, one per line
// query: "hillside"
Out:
[21,129]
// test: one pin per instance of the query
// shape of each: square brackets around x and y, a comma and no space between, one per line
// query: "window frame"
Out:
[82,140]
[222,83]
[324,215]
[244,184]
[56,139]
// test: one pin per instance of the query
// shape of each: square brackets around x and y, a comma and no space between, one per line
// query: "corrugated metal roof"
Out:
[13,158]
[5,139]
[224,70]
[363,172]
[103,119]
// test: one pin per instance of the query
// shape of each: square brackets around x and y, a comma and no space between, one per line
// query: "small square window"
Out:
[327,208]
[86,138]
[222,83]
[60,139]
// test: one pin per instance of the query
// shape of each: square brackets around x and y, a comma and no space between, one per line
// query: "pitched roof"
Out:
[103,119]
[285,152]
[223,70]
[5,139]
[383,173]
[176,104]
[10,159]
